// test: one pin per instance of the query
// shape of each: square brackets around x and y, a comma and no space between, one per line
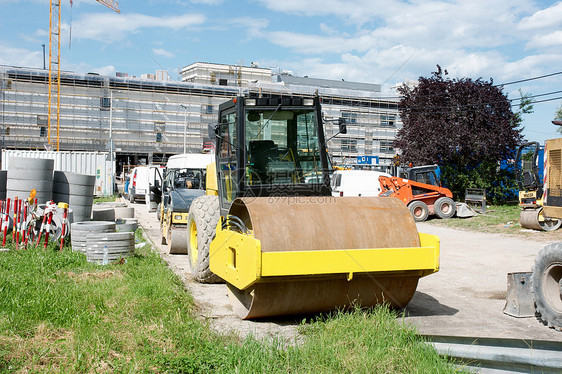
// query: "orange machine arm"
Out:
[408,190]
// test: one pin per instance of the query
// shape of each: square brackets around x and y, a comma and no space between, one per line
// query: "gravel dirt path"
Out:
[465,298]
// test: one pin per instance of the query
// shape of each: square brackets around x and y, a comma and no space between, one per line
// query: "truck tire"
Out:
[419,210]
[445,207]
[547,285]
[204,215]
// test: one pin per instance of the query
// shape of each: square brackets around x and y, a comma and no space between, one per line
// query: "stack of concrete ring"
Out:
[109,247]
[77,190]
[109,237]
[80,231]
[25,174]
[99,241]
[120,213]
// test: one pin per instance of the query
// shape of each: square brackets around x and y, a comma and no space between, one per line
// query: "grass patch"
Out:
[106,199]
[59,313]
[497,218]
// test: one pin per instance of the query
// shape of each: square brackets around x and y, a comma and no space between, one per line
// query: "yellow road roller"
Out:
[269,227]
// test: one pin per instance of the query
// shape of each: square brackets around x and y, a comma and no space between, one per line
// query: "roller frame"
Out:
[237,258]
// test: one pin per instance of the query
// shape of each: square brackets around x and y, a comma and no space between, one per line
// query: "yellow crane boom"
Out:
[53,105]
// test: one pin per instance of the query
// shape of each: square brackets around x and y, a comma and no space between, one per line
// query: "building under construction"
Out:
[149,120]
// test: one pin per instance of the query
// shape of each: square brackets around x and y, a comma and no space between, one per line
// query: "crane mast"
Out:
[53,105]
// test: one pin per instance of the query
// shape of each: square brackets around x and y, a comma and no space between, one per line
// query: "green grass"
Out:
[497,218]
[106,199]
[59,313]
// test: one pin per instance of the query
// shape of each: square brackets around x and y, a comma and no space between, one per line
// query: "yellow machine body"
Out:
[294,252]
[238,259]
[211,183]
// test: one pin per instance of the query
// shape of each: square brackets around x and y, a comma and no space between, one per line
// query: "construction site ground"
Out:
[465,298]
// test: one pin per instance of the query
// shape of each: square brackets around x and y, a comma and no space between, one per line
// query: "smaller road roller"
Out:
[183,182]
[269,227]
[533,191]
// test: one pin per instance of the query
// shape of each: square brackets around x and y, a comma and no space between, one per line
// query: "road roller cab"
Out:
[271,230]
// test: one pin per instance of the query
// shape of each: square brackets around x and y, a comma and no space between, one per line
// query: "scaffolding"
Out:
[153,119]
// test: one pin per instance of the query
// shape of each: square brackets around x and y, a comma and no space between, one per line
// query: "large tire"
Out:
[204,215]
[445,207]
[419,210]
[547,285]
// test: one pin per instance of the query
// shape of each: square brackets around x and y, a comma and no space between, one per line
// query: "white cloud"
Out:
[207,2]
[553,39]
[21,56]
[108,70]
[310,44]
[109,27]
[404,39]
[549,18]
[162,52]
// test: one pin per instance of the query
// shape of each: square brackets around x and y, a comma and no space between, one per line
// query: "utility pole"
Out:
[44,66]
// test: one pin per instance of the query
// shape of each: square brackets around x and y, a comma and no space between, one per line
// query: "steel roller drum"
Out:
[324,223]
[534,219]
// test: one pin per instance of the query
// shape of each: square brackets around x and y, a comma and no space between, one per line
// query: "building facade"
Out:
[149,120]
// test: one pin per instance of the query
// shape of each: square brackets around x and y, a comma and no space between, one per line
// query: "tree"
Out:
[558,117]
[466,126]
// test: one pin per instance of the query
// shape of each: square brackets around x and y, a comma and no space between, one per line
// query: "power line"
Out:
[495,85]
[530,79]
[422,108]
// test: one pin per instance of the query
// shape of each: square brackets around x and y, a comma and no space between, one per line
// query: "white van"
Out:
[356,182]
[190,160]
[141,178]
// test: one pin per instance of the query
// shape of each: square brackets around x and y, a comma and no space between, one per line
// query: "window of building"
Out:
[223,82]
[42,131]
[209,109]
[350,117]
[388,120]
[387,146]
[42,120]
[349,145]
[105,103]
[159,129]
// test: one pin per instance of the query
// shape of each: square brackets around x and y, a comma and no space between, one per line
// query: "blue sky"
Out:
[372,41]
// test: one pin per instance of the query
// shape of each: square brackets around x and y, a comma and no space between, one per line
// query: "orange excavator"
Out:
[419,189]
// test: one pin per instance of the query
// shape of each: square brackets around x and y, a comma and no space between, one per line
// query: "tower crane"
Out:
[53,104]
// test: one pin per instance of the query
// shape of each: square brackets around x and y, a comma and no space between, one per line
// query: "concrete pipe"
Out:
[125,212]
[104,214]
[126,225]
[80,230]
[77,190]
[25,174]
